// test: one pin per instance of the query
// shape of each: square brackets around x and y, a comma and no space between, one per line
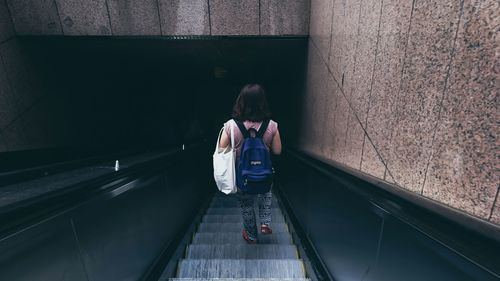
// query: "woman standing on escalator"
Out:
[251,111]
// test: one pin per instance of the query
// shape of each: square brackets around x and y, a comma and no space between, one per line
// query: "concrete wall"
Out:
[33,116]
[160,17]
[21,93]
[30,118]
[407,91]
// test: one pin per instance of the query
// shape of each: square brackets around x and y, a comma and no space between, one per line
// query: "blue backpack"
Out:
[254,171]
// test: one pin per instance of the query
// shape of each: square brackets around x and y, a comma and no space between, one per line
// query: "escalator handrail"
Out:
[28,212]
[25,174]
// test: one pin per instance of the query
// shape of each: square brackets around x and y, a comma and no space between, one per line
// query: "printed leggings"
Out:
[248,211]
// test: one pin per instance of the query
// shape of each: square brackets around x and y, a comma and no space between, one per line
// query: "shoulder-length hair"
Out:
[251,104]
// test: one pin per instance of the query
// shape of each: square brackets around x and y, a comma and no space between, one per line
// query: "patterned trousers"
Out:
[248,211]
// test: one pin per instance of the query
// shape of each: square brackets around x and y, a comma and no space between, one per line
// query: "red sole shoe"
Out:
[265,229]
[247,238]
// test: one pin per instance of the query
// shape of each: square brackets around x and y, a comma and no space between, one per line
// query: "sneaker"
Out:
[248,238]
[265,229]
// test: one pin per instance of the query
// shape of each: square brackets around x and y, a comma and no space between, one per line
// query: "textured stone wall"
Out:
[407,91]
[29,115]
[160,17]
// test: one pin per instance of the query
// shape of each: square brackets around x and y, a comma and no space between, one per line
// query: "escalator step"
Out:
[225,268]
[236,227]
[233,198]
[235,211]
[237,279]
[222,196]
[228,251]
[236,218]
[236,239]
[233,204]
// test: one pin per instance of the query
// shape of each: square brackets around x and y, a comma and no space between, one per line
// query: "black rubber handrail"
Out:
[472,238]
[28,212]
[26,174]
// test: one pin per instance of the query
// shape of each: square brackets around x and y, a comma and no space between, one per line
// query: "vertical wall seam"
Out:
[494,204]
[80,251]
[209,18]
[357,43]
[309,20]
[443,95]
[348,122]
[13,94]
[260,20]
[354,71]
[2,140]
[331,32]
[10,86]
[398,98]
[337,97]
[374,64]
[159,16]
[109,17]
[371,89]
[59,16]
[11,17]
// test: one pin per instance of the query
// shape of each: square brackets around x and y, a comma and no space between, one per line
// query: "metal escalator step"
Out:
[235,211]
[237,279]
[234,238]
[236,218]
[238,268]
[234,204]
[233,198]
[222,196]
[236,227]
[229,251]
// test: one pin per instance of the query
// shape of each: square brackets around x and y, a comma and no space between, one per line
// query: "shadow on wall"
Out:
[133,92]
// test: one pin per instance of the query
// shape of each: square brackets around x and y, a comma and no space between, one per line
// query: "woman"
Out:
[251,108]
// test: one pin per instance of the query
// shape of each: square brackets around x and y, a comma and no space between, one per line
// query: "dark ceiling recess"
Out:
[155,92]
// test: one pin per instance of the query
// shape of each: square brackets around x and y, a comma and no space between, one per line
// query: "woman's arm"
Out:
[224,140]
[276,144]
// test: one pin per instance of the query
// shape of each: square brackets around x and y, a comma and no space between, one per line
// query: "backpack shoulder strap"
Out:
[242,128]
[263,128]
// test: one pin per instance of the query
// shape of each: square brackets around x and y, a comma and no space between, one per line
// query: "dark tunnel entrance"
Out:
[109,94]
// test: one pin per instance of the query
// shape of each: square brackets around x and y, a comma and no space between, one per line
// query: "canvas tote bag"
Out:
[224,169]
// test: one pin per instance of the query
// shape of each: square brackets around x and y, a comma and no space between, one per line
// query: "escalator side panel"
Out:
[343,229]
[357,240]
[126,230]
[407,254]
[47,251]
[116,235]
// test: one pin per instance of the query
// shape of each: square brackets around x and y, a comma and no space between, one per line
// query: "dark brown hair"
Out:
[251,104]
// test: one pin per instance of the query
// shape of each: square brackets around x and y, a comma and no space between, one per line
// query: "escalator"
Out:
[160,220]
[217,249]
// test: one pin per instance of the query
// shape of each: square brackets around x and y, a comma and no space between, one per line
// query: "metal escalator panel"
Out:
[242,251]
[278,217]
[234,238]
[218,251]
[236,211]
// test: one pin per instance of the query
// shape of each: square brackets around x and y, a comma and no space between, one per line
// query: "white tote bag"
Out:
[224,169]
